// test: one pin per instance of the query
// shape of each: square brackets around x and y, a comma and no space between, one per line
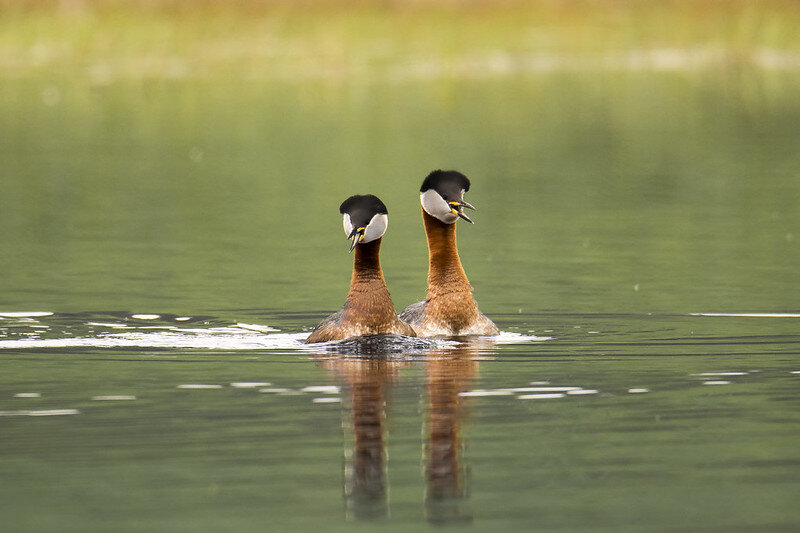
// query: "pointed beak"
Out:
[458,209]
[357,235]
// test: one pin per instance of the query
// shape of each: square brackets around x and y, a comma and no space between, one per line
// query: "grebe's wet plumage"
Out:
[368,309]
[448,308]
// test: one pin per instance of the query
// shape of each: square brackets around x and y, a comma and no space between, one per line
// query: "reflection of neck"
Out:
[368,406]
[445,273]
[369,482]
[366,486]
[444,469]
[443,443]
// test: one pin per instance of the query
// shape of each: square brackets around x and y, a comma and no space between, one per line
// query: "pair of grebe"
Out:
[448,309]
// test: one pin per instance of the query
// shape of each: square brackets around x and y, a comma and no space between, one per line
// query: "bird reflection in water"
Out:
[368,380]
[446,473]
[367,384]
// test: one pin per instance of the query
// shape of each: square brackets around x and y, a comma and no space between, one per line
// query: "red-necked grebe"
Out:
[448,308]
[368,309]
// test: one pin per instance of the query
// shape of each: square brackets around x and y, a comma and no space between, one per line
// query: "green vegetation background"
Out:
[185,156]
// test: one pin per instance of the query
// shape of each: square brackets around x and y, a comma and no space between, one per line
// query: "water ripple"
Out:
[162,331]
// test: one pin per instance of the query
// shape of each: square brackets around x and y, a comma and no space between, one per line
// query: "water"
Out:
[168,241]
[616,421]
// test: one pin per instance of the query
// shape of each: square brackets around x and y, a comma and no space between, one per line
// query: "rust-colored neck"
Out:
[369,301]
[367,273]
[445,273]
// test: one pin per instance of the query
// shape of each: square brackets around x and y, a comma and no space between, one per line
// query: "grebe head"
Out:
[442,195]
[364,218]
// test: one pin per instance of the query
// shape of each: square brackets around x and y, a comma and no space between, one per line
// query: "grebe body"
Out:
[368,309]
[449,308]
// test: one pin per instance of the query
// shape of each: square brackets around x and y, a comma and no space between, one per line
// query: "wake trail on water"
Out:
[44,330]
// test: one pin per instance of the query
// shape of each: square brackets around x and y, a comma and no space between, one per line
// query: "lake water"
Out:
[168,243]
[616,421]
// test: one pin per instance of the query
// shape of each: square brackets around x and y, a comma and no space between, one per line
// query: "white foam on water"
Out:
[540,383]
[113,398]
[43,412]
[717,382]
[182,318]
[709,374]
[241,336]
[543,389]
[510,337]
[750,315]
[277,390]
[24,314]
[199,386]
[638,391]
[250,384]
[582,392]
[324,389]
[541,396]
[483,392]
[795,372]
[427,345]
[208,339]
[221,330]
[28,395]
[255,327]
[327,399]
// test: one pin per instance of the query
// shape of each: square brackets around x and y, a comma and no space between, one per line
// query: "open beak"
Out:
[357,235]
[458,209]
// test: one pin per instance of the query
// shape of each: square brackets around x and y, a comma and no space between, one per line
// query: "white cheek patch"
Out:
[433,204]
[348,226]
[376,228]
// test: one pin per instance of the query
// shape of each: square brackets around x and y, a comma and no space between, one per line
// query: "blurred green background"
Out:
[183,156]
